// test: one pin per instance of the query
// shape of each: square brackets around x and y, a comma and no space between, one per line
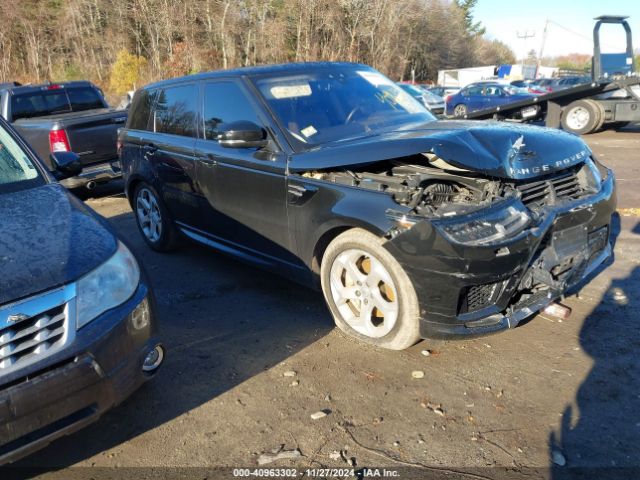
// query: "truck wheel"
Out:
[153,219]
[460,111]
[368,293]
[580,117]
[599,109]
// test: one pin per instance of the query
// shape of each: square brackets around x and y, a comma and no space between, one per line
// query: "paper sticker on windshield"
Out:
[291,91]
[376,79]
[308,131]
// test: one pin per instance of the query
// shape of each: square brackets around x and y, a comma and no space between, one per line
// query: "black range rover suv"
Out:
[329,171]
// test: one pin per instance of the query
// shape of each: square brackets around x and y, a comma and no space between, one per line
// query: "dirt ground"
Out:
[549,389]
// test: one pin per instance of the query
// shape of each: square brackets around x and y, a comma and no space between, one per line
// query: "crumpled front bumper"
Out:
[472,291]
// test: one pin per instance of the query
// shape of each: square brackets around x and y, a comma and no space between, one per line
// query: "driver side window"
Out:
[225,102]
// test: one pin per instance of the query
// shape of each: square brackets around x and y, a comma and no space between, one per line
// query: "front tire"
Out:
[153,219]
[369,294]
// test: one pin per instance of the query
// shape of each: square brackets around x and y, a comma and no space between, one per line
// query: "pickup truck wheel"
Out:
[580,117]
[153,219]
[460,111]
[368,292]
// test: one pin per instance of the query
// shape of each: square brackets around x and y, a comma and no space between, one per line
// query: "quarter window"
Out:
[225,102]
[176,111]
[140,109]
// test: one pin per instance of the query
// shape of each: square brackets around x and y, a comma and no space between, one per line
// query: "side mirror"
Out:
[242,134]
[65,164]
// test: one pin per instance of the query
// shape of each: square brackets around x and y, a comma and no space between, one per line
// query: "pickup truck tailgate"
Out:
[93,135]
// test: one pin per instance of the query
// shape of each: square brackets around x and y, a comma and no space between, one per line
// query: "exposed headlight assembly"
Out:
[486,227]
[600,172]
[108,286]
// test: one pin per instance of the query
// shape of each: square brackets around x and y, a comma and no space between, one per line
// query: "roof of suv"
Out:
[258,70]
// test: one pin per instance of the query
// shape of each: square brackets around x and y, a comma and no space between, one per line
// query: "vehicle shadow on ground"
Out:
[600,430]
[222,323]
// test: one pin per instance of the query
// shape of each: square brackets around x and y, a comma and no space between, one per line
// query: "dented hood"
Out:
[493,148]
[48,239]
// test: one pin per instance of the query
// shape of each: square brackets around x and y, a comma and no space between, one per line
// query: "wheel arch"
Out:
[327,236]
[131,186]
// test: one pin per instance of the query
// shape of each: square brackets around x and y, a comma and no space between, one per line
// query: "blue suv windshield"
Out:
[332,105]
[17,171]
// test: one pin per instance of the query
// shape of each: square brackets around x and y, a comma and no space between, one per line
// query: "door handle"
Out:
[207,159]
[150,149]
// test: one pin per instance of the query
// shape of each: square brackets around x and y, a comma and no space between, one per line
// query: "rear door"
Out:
[169,149]
[243,189]
[474,98]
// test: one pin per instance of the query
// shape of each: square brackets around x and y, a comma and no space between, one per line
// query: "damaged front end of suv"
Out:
[491,223]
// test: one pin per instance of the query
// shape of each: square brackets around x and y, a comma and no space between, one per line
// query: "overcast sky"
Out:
[572,31]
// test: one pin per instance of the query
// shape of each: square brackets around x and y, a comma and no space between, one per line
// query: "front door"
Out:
[243,189]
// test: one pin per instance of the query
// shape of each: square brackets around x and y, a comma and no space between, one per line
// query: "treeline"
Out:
[72,39]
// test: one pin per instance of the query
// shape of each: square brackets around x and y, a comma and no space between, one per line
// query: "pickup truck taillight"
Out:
[58,141]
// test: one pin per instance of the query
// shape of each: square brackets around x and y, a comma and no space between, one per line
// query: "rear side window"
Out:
[176,110]
[140,109]
[84,99]
[225,102]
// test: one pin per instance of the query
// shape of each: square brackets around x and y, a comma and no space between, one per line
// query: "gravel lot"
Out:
[568,390]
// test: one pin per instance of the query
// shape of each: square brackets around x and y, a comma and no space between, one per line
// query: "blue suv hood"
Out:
[493,148]
[48,238]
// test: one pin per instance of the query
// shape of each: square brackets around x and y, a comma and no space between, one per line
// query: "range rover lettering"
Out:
[332,175]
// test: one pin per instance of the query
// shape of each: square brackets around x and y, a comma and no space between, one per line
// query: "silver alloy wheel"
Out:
[148,213]
[460,111]
[364,293]
[578,118]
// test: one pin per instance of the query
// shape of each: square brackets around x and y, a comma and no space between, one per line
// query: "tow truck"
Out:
[610,100]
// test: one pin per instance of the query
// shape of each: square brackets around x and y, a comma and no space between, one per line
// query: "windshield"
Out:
[16,169]
[411,89]
[333,105]
[432,97]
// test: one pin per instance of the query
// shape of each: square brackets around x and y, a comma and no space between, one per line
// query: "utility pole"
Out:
[526,34]
[541,52]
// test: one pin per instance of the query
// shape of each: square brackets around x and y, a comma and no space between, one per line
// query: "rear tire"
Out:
[460,111]
[152,217]
[369,294]
[581,117]
[599,108]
